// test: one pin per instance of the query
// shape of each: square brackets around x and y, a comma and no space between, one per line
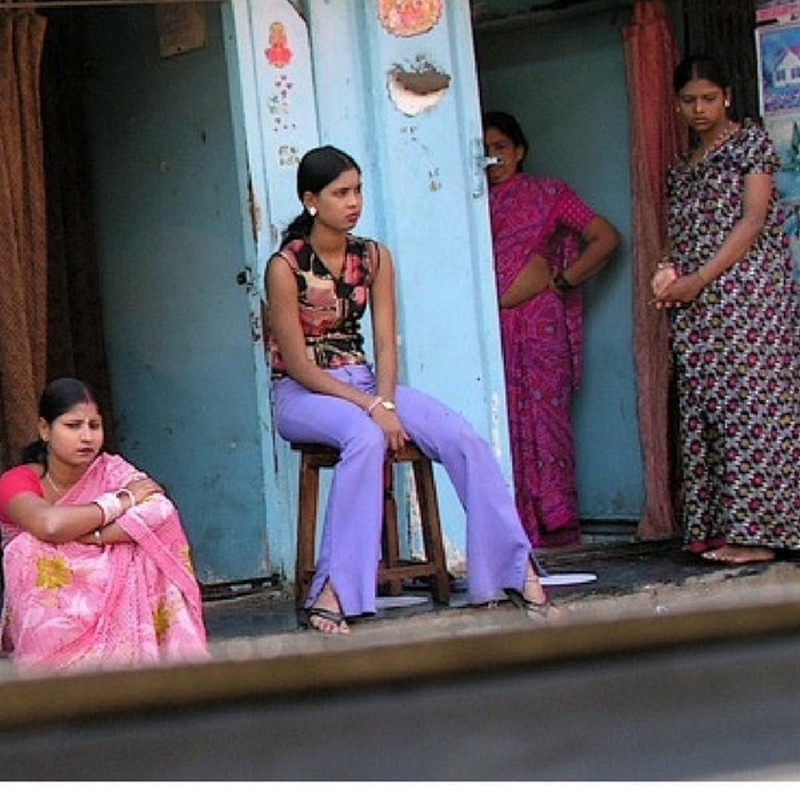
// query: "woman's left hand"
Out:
[142,486]
[679,292]
[389,422]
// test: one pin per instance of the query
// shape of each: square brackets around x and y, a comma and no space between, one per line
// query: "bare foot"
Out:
[326,614]
[739,554]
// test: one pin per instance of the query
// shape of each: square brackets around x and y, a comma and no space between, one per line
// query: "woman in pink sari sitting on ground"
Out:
[547,242]
[96,565]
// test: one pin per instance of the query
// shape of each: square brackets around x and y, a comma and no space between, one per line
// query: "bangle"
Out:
[373,405]
[561,283]
[129,494]
[98,537]
[110,505]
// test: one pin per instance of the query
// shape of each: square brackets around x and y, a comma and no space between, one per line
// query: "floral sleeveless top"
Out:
[330,308]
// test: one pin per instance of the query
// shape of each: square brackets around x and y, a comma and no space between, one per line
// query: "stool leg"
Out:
[306,528]
[431,528]
[390,544]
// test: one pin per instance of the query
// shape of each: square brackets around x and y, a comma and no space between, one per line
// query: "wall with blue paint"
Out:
[170,214]
[563,76]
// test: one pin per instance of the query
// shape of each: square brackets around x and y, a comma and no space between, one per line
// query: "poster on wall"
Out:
[778,52]
[785,134]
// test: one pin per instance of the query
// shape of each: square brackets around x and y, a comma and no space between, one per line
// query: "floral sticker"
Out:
[409,17]
[278,104]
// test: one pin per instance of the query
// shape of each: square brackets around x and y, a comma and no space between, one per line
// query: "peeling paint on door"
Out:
[417,88]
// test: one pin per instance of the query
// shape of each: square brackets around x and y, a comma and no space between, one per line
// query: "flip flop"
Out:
[530,607]
[742,558]
[323,613]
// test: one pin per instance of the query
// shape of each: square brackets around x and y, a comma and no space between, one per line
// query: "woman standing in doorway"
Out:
[547,242]
[726,280]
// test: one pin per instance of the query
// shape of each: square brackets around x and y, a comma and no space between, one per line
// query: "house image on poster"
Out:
[786,70]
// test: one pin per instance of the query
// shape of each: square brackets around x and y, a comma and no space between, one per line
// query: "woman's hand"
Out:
[389,423]
[679,291]
[141,487]
[664,275]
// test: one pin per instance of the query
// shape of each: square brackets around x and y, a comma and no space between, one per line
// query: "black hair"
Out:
[317,169]
[58,397]
[700,67]
[507,125]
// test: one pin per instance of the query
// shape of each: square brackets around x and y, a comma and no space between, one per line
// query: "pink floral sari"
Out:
[542,341]
[74,606]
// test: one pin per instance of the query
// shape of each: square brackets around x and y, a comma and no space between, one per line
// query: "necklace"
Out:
[53,484]
[721,137]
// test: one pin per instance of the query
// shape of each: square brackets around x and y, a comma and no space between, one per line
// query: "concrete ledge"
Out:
[35,702]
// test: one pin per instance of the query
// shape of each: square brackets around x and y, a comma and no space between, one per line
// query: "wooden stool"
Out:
[392,569]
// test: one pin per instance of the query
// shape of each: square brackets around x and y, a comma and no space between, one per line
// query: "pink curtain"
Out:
[650,57]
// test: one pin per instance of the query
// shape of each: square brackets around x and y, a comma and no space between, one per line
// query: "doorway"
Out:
[164,190]
[561,72]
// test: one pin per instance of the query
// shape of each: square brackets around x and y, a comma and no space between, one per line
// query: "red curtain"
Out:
[650,57]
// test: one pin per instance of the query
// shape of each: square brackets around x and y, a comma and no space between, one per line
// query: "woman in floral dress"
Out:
[726,281]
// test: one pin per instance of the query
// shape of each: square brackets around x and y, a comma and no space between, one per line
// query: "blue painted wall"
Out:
[564,78]
[170,213]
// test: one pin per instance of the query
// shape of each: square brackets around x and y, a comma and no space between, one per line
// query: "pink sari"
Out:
[74,606]
[542,342]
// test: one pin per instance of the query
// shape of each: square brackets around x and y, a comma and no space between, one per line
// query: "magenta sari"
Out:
[542,341]
[74,606]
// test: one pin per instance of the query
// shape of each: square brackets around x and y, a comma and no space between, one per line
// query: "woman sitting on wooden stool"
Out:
[318,286]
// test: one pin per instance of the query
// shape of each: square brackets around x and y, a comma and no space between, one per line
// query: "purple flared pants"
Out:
[497,546]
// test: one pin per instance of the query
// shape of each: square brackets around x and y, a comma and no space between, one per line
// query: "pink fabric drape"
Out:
[650,57]
[73,606]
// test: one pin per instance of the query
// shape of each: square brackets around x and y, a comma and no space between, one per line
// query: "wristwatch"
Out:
[561,283]
[388,405]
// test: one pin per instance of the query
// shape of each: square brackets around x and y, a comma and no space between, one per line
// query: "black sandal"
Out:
[529,606]
[323,613]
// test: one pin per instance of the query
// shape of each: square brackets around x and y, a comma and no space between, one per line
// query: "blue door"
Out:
[178,306]
[399,92]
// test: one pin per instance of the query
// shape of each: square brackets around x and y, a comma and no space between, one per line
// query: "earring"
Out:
[727,104]
[312,211]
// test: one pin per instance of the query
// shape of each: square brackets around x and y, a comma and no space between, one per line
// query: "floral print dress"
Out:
[330,308]
[735,351]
